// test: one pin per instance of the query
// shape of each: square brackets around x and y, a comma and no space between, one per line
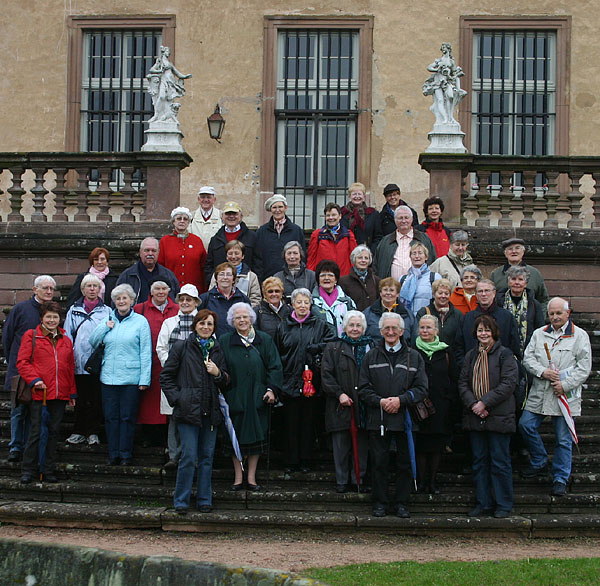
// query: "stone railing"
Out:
[525,192]
[84,187]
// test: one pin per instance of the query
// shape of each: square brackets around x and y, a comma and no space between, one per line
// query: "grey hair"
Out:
[487,282]
[159,284]
[300,291]
[90,279]
[402,209]
[518,271]
[42,279]
[241,305]
[390,315]
[565,302]
[471,269]
[291,244]
[354,313]
[149,238]
[459,236]
[361,248]
[433,318]
[123,288]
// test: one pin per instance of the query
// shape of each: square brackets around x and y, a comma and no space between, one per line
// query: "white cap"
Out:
[181,210]
[190,290]
[274,199]
[207,189]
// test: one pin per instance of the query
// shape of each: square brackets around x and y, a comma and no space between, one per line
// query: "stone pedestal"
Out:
[163,137]
[446,138]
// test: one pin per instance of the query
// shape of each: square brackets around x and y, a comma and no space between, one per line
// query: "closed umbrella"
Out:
[355,458]
[408,425]
[230,429]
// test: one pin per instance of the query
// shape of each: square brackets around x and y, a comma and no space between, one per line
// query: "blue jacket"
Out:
[79,326]
[127,350]
[141,286]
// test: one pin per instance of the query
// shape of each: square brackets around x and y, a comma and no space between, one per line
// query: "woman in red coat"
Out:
[47,364]
[331,242]
[156,310]
[433,225]
[182,252]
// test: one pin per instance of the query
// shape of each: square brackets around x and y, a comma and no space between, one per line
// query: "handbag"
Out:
[20,391]
[93,364]
[423,409]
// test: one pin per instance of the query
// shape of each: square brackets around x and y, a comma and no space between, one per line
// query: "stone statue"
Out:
[165,85]
[444,85]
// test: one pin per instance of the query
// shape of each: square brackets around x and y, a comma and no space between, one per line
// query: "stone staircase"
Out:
[92,494]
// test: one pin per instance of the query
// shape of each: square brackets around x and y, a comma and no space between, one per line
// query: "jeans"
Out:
[492,469]
[19,428]
[197,442]
[563,444]
[120,404]
[173,443]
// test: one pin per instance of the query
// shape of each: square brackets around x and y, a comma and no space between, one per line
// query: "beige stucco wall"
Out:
[221,44]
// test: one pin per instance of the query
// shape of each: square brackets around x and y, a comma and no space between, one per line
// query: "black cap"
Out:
[510,241]
[389,188]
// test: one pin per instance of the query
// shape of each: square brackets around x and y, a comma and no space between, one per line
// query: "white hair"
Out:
[390,315]
[43,279]
[432,318]
[90,279]
[565,303]
[123,288]
[358,250]
[158,284]
[300,291]
[146,240]
[402,209]
[354,313]
[240,305]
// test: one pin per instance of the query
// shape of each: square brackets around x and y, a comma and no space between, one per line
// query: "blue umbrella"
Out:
[408,426]
[229,425]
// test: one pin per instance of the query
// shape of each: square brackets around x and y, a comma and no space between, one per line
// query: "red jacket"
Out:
[185,257]
[322,247]
[54,365]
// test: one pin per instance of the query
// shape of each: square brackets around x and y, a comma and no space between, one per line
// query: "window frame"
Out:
[77,25]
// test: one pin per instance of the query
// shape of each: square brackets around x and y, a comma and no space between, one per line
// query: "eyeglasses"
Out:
[274,291]
[225,275]
[328,275]
[241,317]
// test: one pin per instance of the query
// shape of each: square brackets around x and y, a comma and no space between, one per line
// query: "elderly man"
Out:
[561,376]
[233,229]
[450,265]
[514,250]
[486,303]
[273,236]
[392,377]
[393,199]
[206,220]
[22,317]
[392,258]
[146,270]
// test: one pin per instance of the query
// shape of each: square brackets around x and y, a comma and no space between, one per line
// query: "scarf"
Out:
[362,275]
[206,397]
[464,260]
[519,311]
[239,269]
[100,275]
[300,320]
[329,298]
[357,213]
[183,328]
[206,345]
[90,305]
[481,374]
[333,232]
[161,307]
[429,348]
[247,340]
[358,346]
[409,289]
[279,224]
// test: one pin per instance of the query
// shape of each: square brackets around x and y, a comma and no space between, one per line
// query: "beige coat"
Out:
[206,229]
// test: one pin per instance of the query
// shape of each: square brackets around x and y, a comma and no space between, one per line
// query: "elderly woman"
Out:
[222,296]
[440,307]
[82,319]
[183,252]
[339,376]
[300,340]
[328,297]
[361,283]
[156,310]
[362,220]
[442,375]
[415,291]
[98,260]
[272,310]
[191,379]
[458,258]
[47,365]
[126,370]
[256,380]
[464,298]
[331,242]
[246,281]
[295,275]
[389,290]
[486,388]
[433,226]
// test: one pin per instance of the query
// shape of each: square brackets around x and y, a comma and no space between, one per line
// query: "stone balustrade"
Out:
[517,192]
[89,187]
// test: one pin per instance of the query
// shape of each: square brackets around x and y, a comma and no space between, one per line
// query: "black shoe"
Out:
[125,461]
[341,488]
[292,469]
[254,487]
[304,469]
[480,512]
[558,489]
[402,512]
[51,478]
[181,510]
[237,487]
[379,511]
[531,472]
[501,514]
[204,508]
[114,461]
[171,465]
[26,479]
[15,456]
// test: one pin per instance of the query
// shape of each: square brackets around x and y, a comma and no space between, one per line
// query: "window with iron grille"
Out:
[316,118]
[115,104]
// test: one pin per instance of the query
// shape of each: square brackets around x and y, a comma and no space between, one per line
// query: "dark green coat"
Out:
[253,370]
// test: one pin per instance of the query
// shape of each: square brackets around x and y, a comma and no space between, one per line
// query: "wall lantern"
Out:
[216,123]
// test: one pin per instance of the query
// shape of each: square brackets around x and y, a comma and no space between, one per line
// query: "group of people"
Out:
[378,334]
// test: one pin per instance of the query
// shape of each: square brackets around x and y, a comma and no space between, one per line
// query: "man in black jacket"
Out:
[393,199]
[392,376]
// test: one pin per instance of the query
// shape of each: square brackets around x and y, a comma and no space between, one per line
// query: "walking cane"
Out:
[270,408]
[41,418]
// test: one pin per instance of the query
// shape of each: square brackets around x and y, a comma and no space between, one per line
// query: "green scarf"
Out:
[431,347]
[206,345]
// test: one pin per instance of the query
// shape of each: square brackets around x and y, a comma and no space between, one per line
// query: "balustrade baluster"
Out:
[574,198]
[104,193]
[465,196]
[506,196]
[16,193]
[551,196]
[127,192]
[60,192]
[596,200]
[139,195]
[39,192]
[483,197]
[527,196]
[82,192]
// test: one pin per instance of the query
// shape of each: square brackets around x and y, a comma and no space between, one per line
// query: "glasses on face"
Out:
[485,291]
[241,317]
[228,275]
[274,291]
[327,275]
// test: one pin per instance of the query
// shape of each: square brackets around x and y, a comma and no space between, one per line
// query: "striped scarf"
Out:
[183,328]
[481,373]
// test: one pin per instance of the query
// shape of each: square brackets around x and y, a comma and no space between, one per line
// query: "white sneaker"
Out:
[76,438]
[93,440]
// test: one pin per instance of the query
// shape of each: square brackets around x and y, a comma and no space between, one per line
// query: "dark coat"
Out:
[448,327]
[268,251]
[299,344]
[371,234]
[378,379]
[268,320]
[216,249]
[253,370]
[388,224]
[133,276]
[535,312]
[384,255]
[217,302]
[305,278]
[184,379]
[499,400]
[110,282]
[363,294]
[373,314]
